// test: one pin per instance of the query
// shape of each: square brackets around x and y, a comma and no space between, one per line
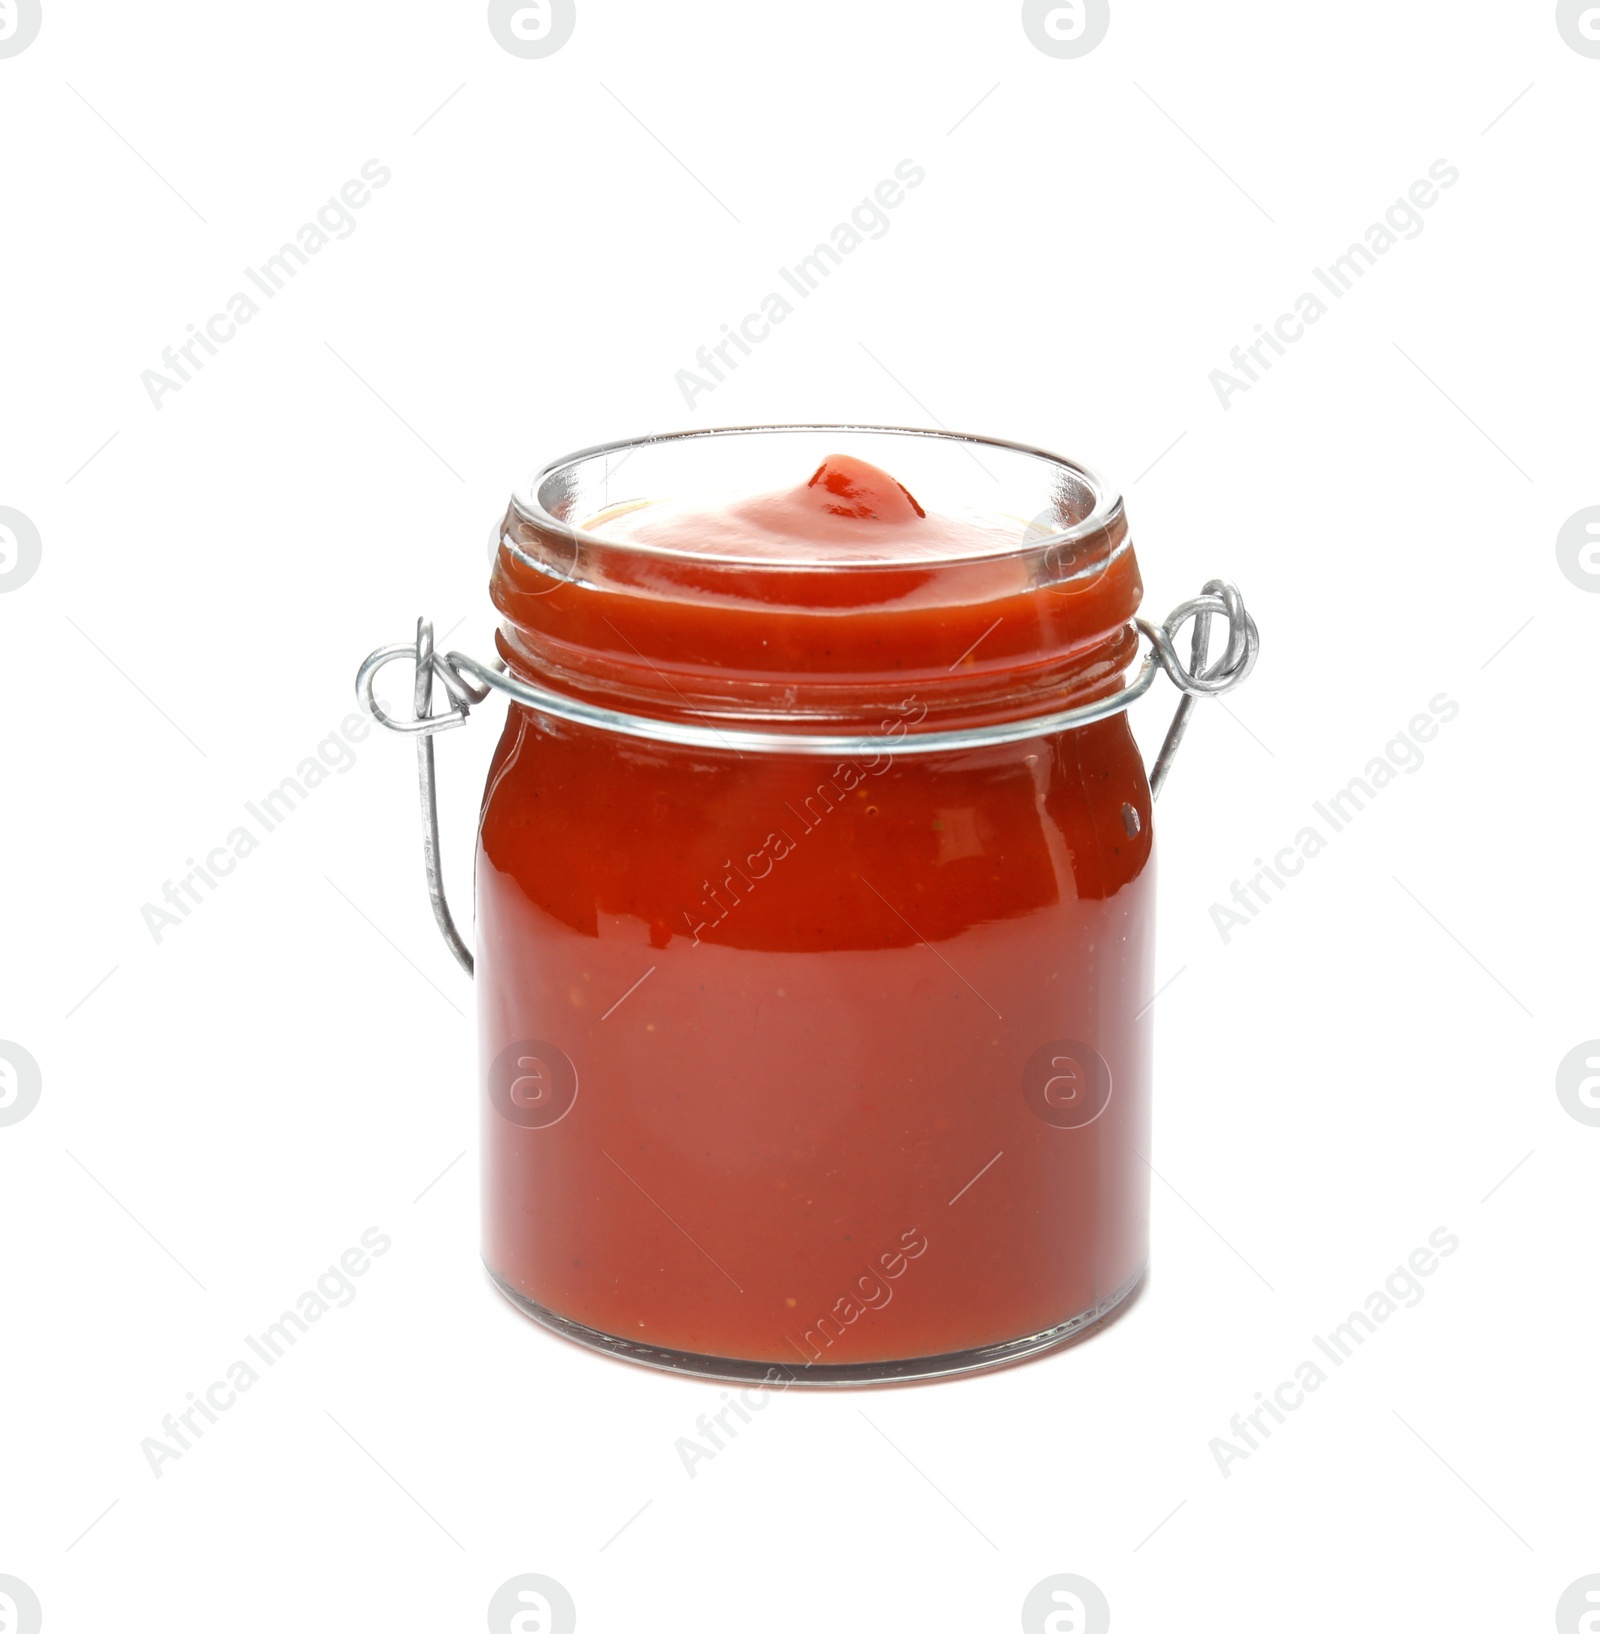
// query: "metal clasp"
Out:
[1201,679]
[424,725]
[467,682]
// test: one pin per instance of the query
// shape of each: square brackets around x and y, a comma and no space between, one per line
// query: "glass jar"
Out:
[815,914]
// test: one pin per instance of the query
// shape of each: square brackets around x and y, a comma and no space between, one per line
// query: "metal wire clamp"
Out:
[467,682]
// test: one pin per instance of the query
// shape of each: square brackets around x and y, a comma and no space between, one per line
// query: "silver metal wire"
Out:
[427,786]
[467,682]
[1200,679]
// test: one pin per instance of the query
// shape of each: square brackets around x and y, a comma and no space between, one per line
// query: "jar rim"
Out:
[528,503]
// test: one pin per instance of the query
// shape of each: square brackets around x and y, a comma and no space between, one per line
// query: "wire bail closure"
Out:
[467,682]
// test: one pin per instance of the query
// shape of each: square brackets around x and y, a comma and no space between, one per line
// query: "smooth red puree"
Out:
[847,512]
[832,1021]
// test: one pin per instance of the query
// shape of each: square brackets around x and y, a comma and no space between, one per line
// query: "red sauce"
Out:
[808,1046]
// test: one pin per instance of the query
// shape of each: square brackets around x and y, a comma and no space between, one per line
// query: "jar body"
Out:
[834,1067]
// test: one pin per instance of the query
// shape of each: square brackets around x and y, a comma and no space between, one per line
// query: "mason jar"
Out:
[815,906]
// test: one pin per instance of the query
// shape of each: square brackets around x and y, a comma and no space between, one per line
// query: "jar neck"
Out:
[951,645]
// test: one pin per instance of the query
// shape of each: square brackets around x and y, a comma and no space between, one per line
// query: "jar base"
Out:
[909,1370]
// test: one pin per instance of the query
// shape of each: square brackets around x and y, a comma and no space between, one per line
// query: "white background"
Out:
[225,1112]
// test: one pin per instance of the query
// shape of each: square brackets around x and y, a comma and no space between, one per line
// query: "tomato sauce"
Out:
[827,1062]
